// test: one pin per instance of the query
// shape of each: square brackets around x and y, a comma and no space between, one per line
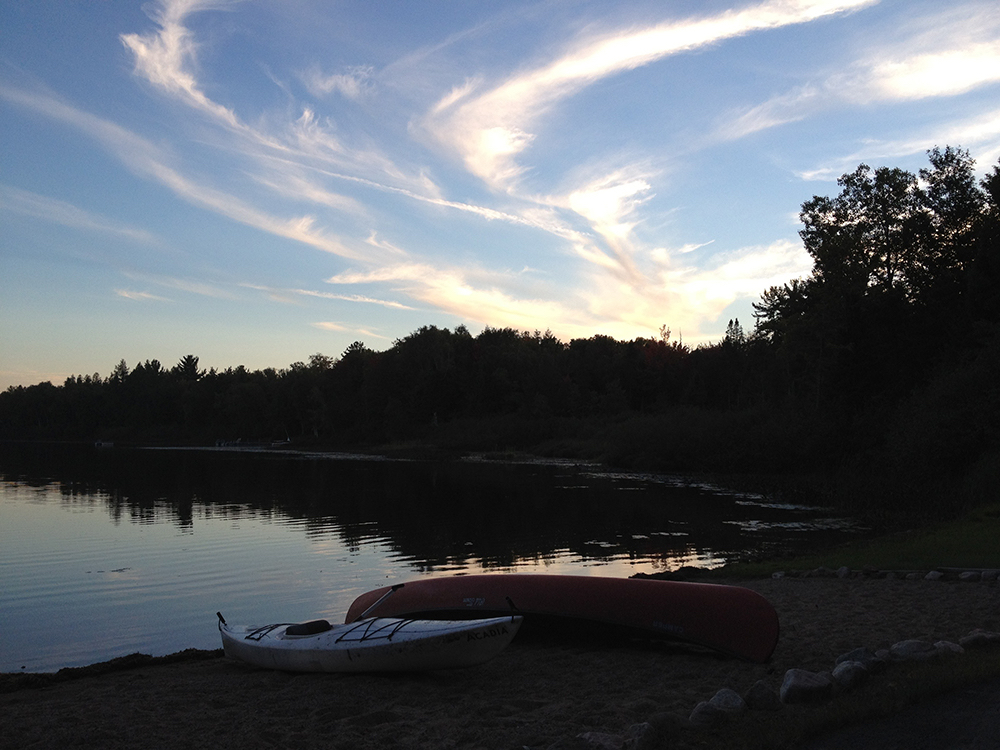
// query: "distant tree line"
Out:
[882,364]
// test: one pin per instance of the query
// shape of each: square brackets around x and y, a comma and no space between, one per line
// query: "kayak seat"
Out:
[309,628]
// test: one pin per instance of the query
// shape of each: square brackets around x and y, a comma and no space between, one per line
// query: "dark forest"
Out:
[879,372]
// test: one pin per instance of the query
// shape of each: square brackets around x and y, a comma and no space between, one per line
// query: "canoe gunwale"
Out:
[721,617]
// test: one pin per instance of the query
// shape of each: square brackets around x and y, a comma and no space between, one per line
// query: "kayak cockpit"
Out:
[313,627]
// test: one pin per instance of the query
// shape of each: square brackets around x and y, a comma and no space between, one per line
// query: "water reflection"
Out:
[438,515]
[139,548]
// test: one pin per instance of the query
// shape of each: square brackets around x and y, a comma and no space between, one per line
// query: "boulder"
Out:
[803,686]
[864,655]
[850,674]
[990,575]
[912,650]
[934,575]
[843,572]
[970,576]
[947,648]
[979,638]
[728,700]
[762,697]
[705,715]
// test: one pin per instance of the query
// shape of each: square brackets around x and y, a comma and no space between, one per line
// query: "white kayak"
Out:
[377,644]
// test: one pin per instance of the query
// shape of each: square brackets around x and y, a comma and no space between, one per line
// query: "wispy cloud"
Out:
[748,271]
[685,296]
[147,160]
[489,130]
[66,214]
[292,295]
[457,291]
[191,286]
[329,325]
[945,73]
[303,158]
[610,204]
[164,57]
[682,296]
[981,133]
[167,56]
[353,84]
[140,296]
[948,54]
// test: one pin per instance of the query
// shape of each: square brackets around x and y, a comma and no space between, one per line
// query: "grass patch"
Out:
[967,542]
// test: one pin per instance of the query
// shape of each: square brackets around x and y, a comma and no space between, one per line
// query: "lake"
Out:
[109,551]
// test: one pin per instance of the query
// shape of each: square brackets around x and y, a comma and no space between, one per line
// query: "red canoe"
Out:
[732,619]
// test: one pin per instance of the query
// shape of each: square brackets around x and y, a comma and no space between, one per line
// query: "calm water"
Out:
[107,552]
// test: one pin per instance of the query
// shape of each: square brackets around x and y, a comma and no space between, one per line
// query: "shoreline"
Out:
[534,694]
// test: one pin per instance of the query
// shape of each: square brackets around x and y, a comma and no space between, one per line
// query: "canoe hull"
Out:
[372,645]
[731,619]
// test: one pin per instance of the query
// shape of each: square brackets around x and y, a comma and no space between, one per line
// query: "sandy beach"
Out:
[535,694]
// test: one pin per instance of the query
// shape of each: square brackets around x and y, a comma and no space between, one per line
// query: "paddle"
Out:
[392,590]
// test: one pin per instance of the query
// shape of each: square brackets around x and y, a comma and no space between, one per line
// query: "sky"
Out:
[254,182]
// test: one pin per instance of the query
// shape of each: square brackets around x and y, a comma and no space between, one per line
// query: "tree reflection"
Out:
[437,515]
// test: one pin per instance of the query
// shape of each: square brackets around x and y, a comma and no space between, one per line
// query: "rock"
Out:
[705,715]
[873,661]
[990,575]
[979,638]
[912,650]
[642,736]
[802,686]
[947,648]
[849,674]
[882,661]
[761,697]
[728,700]
[778,574]
[864,655]
[970,576]
[889,575]
[934,575]
[843,572]
[821,572]
[975,639]
[602,740]
[912,576]
[723,704]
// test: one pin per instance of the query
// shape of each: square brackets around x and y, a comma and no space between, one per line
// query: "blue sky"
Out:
[254,182]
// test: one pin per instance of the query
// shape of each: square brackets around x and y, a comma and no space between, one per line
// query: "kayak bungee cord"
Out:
[373,632]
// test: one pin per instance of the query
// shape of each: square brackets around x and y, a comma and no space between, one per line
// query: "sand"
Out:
[534,694]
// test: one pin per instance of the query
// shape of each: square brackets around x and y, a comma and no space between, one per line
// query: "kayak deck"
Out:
[378,644]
